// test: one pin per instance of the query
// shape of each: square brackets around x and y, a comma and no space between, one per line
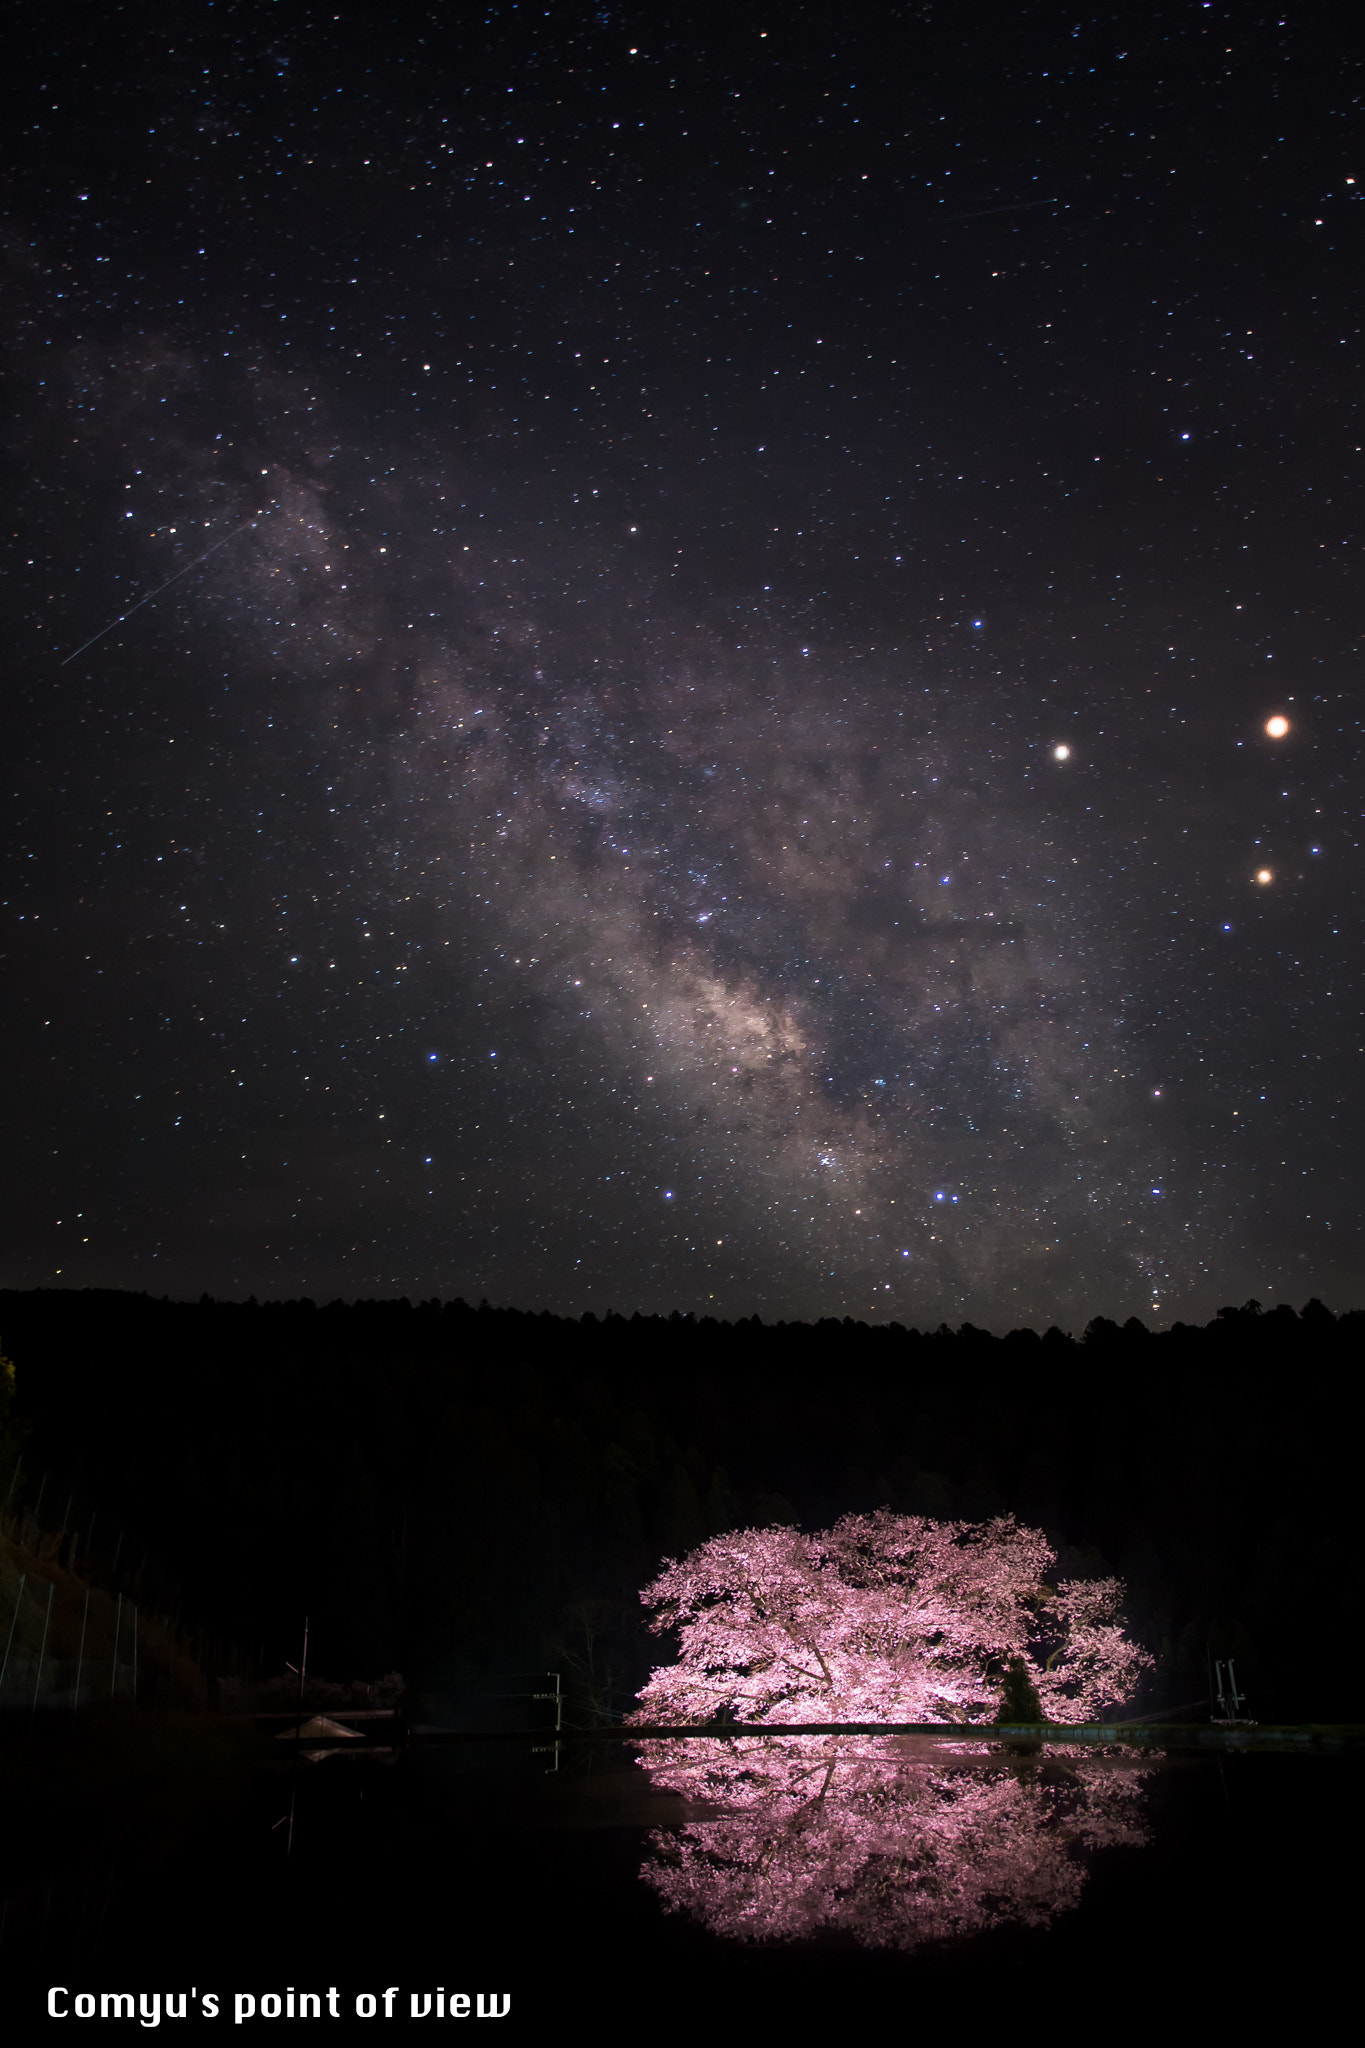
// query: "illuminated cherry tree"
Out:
[894,1839]
[884,1617]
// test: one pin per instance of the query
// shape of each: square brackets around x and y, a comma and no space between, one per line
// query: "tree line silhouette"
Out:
[462,1492]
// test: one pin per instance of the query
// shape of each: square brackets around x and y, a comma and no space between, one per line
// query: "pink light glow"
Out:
[883,1618]
[856,1835]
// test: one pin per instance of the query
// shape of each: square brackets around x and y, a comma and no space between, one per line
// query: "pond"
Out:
[724,1886]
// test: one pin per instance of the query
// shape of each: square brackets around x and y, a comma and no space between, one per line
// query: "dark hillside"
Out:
[457,1491]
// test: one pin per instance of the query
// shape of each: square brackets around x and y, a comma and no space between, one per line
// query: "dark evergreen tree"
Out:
[1019,1700]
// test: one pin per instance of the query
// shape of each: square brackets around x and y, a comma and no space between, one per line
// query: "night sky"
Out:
[708,749]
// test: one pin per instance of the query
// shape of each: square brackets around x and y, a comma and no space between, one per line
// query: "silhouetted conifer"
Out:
[1019,1701]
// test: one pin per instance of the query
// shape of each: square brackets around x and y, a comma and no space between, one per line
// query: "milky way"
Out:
[777,972]
[620,826]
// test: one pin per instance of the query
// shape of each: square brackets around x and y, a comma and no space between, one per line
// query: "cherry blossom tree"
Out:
[884,1617]
[892,1840]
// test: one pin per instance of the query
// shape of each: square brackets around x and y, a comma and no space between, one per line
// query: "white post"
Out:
[1235,1698]
[18,1602]
[42,1647]
[80,1654]
[557,1696]
[298,1738]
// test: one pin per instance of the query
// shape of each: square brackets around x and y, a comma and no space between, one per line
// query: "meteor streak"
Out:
[1010,206]
[163,586]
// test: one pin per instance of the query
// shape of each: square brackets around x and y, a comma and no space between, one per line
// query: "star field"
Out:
[755,705]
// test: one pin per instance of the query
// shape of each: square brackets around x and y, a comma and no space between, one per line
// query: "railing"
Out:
[87,1603]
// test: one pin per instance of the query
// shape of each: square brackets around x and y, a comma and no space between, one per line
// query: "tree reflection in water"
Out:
[864,1836]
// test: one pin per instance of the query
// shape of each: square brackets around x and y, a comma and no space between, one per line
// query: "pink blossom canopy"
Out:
[884,1617]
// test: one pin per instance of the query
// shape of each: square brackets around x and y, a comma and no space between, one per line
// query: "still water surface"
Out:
[725,1887]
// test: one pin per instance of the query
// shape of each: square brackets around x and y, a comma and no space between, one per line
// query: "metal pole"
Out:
[298,1738]
[42,1647]
[80,1654]
[1236,1699]
[38,1507]
[118,1621]
[557,1696]
[18,1602]
[13,1481]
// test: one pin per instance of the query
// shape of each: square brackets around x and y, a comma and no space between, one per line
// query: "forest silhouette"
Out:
[465,1493]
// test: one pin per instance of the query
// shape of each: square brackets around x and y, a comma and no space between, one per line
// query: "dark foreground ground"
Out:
[152,1859]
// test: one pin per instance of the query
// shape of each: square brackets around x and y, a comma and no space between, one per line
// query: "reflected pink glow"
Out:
[859,1836]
